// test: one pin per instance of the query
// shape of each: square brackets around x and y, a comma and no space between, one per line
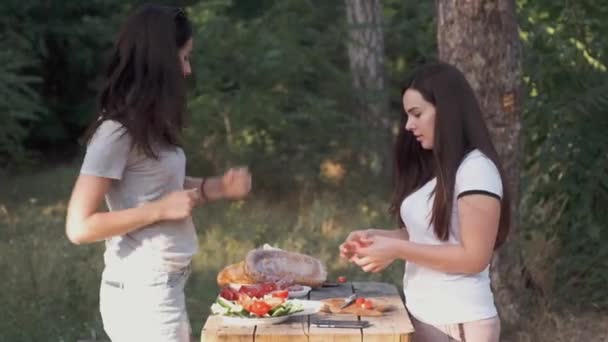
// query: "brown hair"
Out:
[144,87]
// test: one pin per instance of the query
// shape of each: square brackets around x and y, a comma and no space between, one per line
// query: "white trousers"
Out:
[147,307]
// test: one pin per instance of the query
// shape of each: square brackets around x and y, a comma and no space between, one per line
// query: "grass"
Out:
[50,287]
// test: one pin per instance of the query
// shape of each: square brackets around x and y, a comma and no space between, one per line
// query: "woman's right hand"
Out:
[353,240]
[177,205]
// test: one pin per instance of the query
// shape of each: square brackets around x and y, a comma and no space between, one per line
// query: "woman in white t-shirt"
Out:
[135,162]
[450,198]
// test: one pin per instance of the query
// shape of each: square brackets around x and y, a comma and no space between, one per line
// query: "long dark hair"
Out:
[459,129]
[144,87]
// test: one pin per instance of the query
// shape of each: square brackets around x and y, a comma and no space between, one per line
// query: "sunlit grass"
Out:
[49,288]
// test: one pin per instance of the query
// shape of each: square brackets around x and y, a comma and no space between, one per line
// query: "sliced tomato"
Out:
[258,290]
[280,294]
[360,301]
[259,308]
[245,290]
[368,304]
[252,290]
[228,293]
[268,287]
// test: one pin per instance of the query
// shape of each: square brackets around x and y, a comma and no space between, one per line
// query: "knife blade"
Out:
[348,301]
[341,324]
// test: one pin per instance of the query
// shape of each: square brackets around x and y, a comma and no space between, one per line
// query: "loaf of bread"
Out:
[276,266]
[279,265]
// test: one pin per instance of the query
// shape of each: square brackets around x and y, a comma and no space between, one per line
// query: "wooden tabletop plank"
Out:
[215,331]
[389,327]
[395,325]
[293,330]
[317,334]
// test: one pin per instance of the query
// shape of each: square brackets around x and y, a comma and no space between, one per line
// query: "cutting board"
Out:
[332,305]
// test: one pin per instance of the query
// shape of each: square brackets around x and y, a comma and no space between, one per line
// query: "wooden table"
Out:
[394,326]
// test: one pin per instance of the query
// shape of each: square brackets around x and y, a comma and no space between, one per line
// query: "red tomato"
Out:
[368,305]
[281,294]
[229,294]
[268,287]
[256,291]
[244,289]
[341,279]
[361,244]
[259,308]
[360,301]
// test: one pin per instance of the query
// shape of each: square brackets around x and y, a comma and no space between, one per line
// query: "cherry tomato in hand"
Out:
[361,244]
[341,279]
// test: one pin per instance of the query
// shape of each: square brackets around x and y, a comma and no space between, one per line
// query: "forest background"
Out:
[307,94]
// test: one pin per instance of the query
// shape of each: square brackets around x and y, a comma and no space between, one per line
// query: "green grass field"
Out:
[50,288]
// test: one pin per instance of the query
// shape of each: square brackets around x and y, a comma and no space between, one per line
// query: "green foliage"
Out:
[52,56]
[410,39]
[69,39]
[566,165]
[20,105]
[273,91]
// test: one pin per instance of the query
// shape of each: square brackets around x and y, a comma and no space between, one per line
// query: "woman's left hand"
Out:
[236,183]
[377,253]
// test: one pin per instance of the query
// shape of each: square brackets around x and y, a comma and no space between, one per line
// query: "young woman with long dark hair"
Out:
[451,200]
[135,162]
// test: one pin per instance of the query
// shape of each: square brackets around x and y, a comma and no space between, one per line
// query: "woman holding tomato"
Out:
[135,163]
[453,209]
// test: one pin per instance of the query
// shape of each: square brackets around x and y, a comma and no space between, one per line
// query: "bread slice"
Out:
[234,274]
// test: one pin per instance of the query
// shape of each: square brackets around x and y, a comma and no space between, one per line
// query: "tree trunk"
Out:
[366,55]
[480,37]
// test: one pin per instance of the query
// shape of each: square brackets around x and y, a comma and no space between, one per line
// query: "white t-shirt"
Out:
[434,297]
[136,179]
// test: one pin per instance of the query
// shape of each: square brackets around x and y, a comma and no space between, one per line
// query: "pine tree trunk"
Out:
[480,37]
[366,55]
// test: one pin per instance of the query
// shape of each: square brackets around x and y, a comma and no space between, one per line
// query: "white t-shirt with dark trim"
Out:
[136,179]
[435,297]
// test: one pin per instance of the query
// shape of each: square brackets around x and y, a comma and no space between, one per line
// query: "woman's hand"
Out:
[353,240]
[176,205]
[375,253]
[369,264]
[236,183]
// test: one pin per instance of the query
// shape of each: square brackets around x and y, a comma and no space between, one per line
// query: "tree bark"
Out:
[366,55]
[480,37]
